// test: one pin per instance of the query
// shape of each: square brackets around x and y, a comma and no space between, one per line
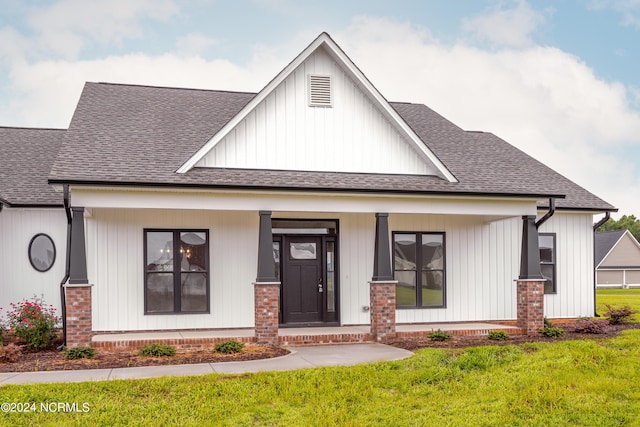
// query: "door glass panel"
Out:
[331,288]
[302,250]
[276,259]
[160,251]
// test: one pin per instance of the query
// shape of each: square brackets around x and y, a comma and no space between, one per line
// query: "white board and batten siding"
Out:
[482,263]
[19,280]
[482,260]
[574,266]
[116,267]
[285,133]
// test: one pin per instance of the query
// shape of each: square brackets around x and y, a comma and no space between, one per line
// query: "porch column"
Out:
[382,286]
[78,290]
[530,284]
[266,288]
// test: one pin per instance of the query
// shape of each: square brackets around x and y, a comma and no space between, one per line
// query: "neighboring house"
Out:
[33,226]
[197,209]
[617,259]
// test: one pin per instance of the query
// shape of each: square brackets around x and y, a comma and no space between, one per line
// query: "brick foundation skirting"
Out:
[182,343]
[286,340]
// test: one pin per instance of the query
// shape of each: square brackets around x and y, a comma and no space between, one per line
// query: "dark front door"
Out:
[302,284]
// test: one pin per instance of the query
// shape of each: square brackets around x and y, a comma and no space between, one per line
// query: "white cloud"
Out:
[545,101]
[505,26]
[68,26]
[194,44]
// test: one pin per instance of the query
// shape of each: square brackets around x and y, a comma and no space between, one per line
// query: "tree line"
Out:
[626,222]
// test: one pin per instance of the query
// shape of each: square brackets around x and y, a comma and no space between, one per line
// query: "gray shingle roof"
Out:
[27,156]
[604,242]
[138,135]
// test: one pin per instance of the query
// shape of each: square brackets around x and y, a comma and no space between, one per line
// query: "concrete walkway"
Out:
[299,358]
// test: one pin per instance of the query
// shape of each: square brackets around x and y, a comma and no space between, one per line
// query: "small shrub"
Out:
[548,323]
[157,349]
[79,353]
[619,315]
[34,322]
[498,335]
[9,353]
[439,335]
[590,326]
[229,347]
[552,331]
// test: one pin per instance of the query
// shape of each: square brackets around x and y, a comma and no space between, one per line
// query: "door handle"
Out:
[320,287]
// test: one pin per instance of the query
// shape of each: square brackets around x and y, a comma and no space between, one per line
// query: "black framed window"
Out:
[547,243]
[42,252]
[419,267]
[176,278]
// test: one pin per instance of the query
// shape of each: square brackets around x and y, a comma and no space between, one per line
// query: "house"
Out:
[33,231]
[617,259]
[313,202]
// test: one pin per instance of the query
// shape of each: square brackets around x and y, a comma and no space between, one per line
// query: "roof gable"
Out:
[370,123]
[625,252]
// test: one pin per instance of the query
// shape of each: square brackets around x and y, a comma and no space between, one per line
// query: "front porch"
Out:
[289,336]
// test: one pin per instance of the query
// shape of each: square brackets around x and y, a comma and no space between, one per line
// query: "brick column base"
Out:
[78,315]
[267,305]
[383,310]
[530,297]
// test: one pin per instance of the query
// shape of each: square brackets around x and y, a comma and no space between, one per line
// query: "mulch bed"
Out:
[473,341]
[53,360]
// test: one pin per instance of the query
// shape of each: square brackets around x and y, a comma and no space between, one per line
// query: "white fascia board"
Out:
[354,71]
[225,200]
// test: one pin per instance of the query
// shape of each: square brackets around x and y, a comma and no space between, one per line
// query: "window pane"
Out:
[432,252]
[432,288]
[159,251]
[159,292]
[404,252]
[193,296]
[406,288]
[193,251]
[547,274]
[546,248]
[303,250]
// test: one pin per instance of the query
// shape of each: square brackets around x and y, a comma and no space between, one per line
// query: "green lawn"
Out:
[565,383]
[618,298]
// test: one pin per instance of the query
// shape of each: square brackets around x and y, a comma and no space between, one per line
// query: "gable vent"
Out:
[319,91]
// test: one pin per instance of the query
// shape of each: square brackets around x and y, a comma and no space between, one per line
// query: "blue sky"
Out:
[558,79]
